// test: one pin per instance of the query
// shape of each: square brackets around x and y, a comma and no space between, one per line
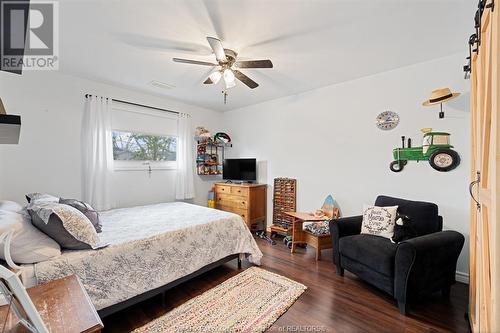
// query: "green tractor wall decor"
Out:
[436,149]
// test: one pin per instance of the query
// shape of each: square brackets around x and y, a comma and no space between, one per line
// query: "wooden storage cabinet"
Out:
[247,200]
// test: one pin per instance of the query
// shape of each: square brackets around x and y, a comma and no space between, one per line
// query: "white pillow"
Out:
[29,245]
[379,221]
[10,206]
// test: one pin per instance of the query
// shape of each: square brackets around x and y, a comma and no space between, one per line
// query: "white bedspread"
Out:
[151,246]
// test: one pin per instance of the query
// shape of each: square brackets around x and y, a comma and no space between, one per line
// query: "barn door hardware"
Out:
[471,187]
[475,39]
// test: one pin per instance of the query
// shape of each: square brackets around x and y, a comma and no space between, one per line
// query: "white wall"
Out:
[328,141]
[47,158]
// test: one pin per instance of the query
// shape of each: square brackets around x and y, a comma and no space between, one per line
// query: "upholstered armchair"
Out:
[410,269]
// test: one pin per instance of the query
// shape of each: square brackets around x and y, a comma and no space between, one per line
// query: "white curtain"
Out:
[184,187]
[97,159]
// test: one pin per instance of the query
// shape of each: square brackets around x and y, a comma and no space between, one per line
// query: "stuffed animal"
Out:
[203,132]
[403,229]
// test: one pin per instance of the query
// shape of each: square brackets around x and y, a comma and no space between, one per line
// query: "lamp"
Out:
[10,126]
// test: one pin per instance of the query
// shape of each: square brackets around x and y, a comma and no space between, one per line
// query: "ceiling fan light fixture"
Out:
[230,84]
[228,76]
[215,77]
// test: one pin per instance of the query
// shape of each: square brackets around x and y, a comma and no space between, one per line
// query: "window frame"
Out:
[135,165]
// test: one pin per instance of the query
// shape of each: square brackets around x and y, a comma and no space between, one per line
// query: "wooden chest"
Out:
[247,200]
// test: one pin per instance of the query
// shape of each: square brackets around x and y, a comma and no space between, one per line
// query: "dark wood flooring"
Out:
[330,304]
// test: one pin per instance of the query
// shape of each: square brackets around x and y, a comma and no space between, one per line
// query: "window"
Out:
[130,146]
[143,138]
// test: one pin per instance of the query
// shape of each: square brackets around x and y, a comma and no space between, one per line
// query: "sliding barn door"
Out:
[484,300]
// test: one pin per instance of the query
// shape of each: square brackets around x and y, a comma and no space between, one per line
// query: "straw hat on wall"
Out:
[439,96]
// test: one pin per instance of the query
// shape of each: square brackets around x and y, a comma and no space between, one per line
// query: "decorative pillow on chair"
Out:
[28,244]
[86,209]
[64,224]
[403,229]
[379,221]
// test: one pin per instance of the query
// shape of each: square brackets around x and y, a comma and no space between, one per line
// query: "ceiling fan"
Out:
[227,66]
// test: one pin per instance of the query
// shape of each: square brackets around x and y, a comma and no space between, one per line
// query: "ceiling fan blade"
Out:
[216,46]
[245,79]
[193,62]
[208,81]
[254,64]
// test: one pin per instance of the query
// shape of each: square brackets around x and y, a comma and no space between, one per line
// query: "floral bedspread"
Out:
[150,246]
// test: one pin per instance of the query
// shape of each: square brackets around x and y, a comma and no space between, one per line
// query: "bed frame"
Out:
[148,294]
[6,238]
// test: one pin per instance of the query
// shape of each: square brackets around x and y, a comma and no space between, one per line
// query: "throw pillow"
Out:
[28,244]
[379,221]
[403,229]
[41,197]
[65,224]
[86,209]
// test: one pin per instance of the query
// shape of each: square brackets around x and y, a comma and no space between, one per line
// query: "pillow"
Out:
[403,229]
[41,197]
[64,224]
[28,245]
[10,206]
[379,221]
[86,209]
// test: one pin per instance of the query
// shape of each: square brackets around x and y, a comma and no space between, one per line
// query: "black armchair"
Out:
[412,268]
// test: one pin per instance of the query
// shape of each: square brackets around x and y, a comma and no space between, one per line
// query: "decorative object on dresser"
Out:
[63,305]
[224,308]
[284,200]
[409,270]
[247,200]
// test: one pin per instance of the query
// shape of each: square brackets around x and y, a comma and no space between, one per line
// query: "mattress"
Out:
[149,246]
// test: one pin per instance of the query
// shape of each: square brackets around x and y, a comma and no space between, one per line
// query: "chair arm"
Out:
[342,227]
[426,263]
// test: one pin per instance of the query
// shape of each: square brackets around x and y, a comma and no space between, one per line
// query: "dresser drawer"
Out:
[231,201]
[241,191]
[223,189]
[241,212]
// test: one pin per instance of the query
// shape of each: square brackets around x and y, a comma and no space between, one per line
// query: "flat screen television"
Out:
[243,169]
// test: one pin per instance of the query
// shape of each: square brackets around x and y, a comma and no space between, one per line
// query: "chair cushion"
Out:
[375,252]
[423,215]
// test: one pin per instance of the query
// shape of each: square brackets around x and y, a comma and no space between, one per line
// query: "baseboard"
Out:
[462,277]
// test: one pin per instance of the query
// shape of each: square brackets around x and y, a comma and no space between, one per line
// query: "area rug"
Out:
[248,302]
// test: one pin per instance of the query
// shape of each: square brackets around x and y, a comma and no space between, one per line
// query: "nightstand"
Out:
[63,305]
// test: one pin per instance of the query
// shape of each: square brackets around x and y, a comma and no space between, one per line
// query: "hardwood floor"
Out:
[330,304]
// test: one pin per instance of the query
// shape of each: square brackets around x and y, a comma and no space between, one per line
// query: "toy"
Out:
[203,132]
[222,137]
[263,235]
[436,149]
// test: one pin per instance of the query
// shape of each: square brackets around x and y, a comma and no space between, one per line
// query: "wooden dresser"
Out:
[247,200]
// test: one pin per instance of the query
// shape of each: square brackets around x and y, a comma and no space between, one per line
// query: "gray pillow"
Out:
[86,209]
[34,197]
[66,225]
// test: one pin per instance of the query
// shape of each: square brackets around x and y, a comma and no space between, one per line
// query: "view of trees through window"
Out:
[129,146]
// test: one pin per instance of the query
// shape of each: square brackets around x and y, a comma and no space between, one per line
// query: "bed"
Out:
[151,249]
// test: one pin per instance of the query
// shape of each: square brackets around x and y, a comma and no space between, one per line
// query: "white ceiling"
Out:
[312,43]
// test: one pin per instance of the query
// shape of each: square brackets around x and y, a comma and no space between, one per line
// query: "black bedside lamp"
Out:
[10,127]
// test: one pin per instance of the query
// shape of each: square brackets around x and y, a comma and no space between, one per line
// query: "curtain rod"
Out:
[137,104]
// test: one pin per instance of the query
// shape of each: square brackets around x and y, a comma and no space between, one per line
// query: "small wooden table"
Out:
[299,236]
[63,305]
